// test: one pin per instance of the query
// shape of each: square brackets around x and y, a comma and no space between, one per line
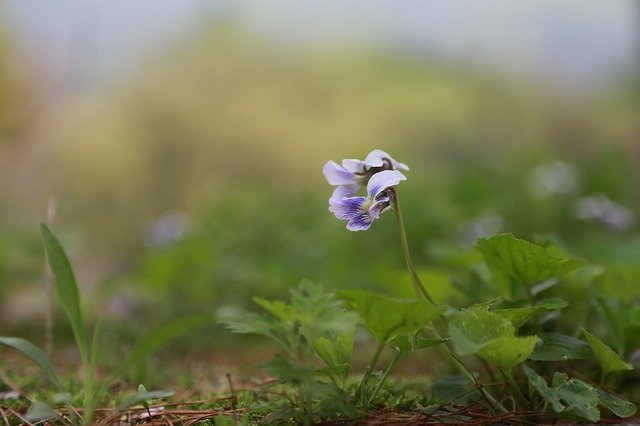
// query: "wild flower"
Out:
[360,212]
[354,174]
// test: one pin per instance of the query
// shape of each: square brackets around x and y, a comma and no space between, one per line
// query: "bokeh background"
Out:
[183,142]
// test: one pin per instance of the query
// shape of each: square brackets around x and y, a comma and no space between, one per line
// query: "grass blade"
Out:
[66,288]
[33,352]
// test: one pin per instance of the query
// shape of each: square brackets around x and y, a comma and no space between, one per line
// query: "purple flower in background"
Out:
[354,174]
[361,211]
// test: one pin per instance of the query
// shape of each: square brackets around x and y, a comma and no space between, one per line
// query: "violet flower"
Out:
[354,174]
[360,212]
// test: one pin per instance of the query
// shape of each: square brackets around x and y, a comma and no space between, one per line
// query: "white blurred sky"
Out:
[582,42]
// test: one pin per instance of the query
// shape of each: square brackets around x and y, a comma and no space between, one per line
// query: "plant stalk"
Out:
[417,284]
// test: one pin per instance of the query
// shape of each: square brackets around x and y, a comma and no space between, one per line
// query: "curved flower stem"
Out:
[444,350]
[417,284]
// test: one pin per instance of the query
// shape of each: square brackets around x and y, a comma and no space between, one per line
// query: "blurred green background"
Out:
[187,170]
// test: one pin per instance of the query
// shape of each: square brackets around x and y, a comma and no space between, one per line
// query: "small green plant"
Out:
[509,335]
[91,391]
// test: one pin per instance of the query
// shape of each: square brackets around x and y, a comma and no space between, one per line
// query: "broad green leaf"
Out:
[548,394]
[507,352]
[33,352]
[582,399]
[143,398]
[560,347]
[387,318]
[471,329]
[609,360]
[527,263]
[40,411]
[617,405]
[66,288]
[518,316]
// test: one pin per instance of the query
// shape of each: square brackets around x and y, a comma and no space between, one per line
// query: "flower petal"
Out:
[344,191]
[338,175]
[383,180]
[360,223]
[347,207]
[353,165]
[376,158]
[380,206]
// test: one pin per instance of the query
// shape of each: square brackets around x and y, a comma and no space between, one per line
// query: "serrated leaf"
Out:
[527,263]
[609,360]
[33,352]
[387,318]
[287,372]
[617,405]
[277,308]
[336,354]
[40,411]
[406,343]
[518,316]
[471,329]
[143,398]
[249,323]
[507,352]
[66,288]
[559,378]
[582,399]
[560,347]
[548,394]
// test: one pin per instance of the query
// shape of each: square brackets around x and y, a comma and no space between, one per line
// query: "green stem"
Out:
[522,400]
[370,367]
[392,364]
[417,284]
[420,289]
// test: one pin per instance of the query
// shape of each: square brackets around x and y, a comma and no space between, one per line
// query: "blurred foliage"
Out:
[228,134]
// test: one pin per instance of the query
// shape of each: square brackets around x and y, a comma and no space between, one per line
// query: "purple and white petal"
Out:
[343,191]
[380,206]
[383,180]
[377,157]
[348,207]
[353,165]
[360,223]
[338,175]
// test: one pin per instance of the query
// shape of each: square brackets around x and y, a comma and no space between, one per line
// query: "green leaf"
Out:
[40,411]
[406,343]
[248,323]
[518,316]
[608,359]
[582,399]
[560,347]
[507,352]
[143,398]
[336,354]
[387,318]
[617,405]
[277,308]
[559,378]
[66,288]
[510,258]
[285,371]
[548,394]
[471,329]
[31,351]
